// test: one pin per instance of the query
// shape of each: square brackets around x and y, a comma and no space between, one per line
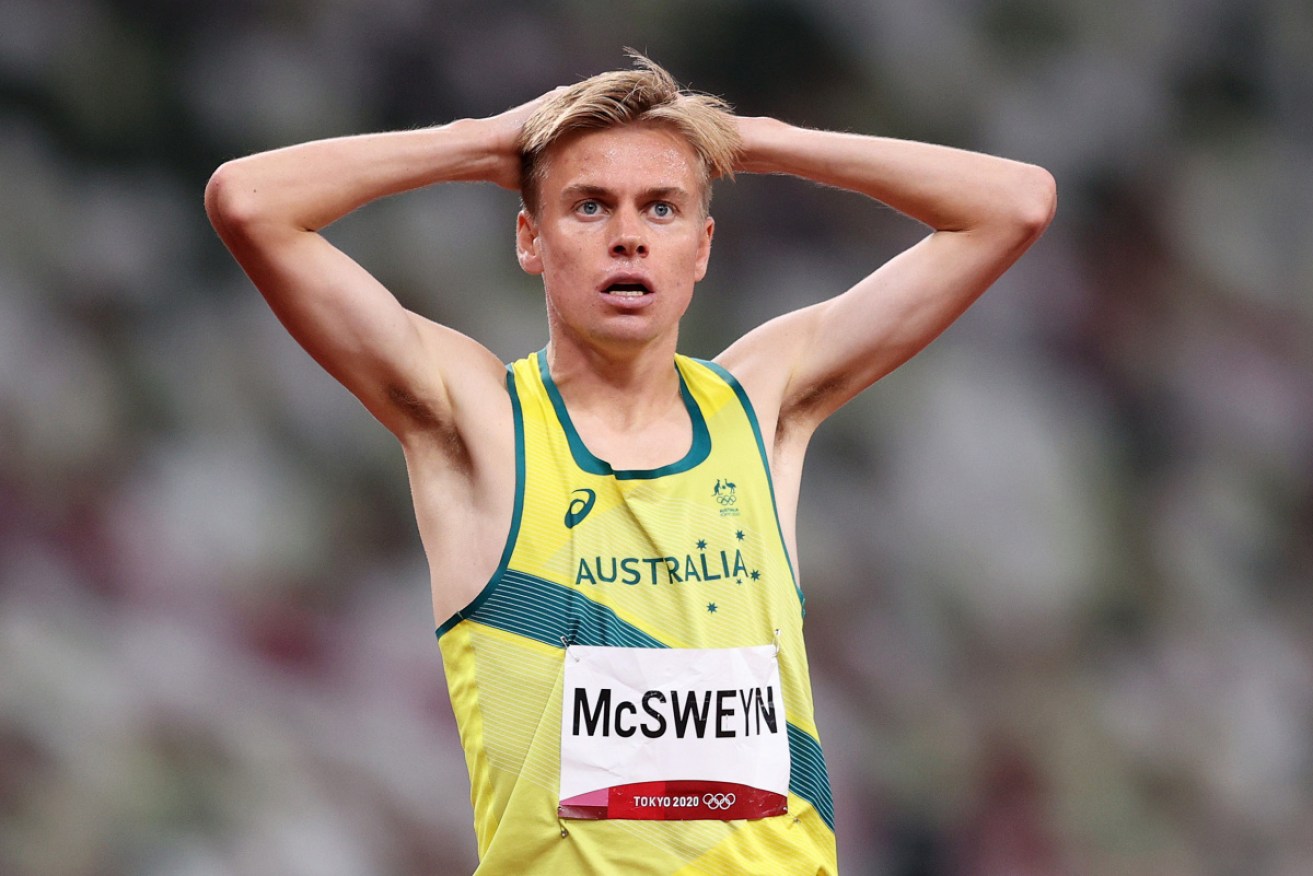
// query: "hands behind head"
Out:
[503,133]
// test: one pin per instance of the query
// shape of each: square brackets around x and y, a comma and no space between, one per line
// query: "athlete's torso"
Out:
[687,556]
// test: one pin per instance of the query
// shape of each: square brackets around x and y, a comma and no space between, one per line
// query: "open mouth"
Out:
[627,289]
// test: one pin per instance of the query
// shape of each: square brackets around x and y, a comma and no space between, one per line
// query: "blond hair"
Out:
[645,95]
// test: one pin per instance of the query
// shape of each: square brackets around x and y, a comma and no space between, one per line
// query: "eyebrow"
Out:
[658,193]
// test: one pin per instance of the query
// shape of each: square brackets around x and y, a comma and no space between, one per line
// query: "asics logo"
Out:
[580,505]
[718,801]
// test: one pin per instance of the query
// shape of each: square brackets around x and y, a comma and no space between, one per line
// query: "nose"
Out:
[629,239]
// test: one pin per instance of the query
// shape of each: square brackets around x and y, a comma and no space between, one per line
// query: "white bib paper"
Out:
[669,733]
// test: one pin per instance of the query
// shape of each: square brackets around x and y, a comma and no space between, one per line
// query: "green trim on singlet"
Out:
[511,537]
[584,458]
[546,612]
[558,616]
[748,409]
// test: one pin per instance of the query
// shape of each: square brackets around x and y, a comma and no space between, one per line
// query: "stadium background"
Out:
[1058,567]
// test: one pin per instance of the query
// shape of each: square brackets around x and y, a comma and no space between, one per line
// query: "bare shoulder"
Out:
[764,363]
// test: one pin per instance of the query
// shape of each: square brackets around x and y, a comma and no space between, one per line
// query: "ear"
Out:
[526,244]
[704,250]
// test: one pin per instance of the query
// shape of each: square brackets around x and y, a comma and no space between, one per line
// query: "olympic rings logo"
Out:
[718,801]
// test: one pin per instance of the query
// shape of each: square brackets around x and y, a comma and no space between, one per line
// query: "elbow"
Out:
[231,201]
[220,200]
[1036,200]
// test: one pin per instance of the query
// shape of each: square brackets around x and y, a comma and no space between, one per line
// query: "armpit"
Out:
[441,429]
[816,402]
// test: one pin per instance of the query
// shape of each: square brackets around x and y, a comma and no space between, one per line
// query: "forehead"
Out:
[624,158]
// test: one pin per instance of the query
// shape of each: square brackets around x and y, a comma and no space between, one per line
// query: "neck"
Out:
[628,387]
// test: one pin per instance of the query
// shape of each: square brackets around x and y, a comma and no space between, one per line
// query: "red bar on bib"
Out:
[678,800]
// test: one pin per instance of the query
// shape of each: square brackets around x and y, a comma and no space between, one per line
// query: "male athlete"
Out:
[609,525]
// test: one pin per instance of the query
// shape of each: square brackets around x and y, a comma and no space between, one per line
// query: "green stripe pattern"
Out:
[538,609]
[808,777]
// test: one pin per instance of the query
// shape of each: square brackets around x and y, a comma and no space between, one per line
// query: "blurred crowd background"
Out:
[1059,567]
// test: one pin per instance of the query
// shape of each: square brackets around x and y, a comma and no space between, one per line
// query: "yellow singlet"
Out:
[689,555]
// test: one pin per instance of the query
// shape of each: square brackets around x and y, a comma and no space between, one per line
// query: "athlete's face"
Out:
[620,236]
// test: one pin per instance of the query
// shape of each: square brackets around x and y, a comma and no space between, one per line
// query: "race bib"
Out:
[673,734]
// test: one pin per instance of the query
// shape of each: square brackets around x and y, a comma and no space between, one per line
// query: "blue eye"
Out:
[662,210]
[589,208]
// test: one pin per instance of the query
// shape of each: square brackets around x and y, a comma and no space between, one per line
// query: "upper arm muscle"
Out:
[395,362]
[808,363]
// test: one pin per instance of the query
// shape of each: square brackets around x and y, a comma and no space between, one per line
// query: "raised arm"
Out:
[984,212]
[269,209]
